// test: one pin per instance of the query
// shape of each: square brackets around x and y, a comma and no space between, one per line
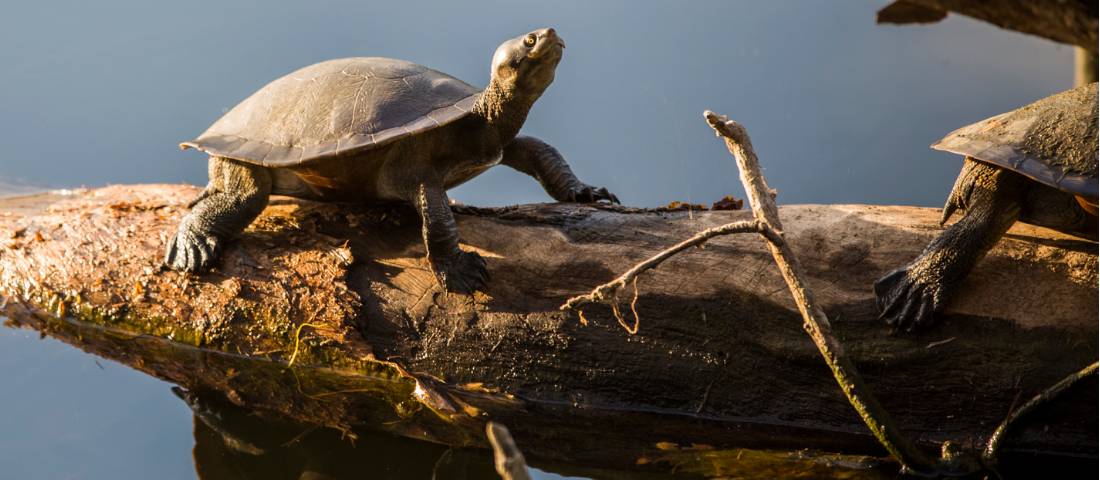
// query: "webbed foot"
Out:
[465,272]
[192,249]
[589,194]
[908,300]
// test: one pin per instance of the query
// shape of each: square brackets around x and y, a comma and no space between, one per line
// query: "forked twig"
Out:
[766,223]
[607,291]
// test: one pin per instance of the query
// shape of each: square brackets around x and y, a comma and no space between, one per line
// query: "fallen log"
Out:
[341,295]
[1073,22]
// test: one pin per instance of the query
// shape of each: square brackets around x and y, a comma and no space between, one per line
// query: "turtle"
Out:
[374,130]
[1036,164]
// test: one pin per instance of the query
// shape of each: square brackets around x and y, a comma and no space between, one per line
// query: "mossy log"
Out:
[328,314]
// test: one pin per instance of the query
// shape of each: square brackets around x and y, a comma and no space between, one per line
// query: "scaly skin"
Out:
[543,162]
[417,170]
[235,196]
[994,198]
[455,269]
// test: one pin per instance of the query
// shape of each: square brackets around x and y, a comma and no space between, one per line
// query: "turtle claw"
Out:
[463,273]
[905,301]
[590,194]
[190,250]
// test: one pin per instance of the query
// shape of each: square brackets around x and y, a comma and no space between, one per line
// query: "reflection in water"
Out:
[245,405]
[231,442]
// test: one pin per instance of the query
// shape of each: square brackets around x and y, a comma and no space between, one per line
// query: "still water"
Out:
[840,110]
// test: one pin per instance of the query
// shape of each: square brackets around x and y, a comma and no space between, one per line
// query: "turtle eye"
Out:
[529,40]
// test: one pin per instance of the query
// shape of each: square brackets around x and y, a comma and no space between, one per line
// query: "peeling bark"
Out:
[383,347]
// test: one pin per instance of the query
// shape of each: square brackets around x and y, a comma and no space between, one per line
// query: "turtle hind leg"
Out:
[1052,208]
[455,270]
[236,195]
[909,297]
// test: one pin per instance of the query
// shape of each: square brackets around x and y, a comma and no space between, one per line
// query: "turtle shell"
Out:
[336,108]
[1052,141]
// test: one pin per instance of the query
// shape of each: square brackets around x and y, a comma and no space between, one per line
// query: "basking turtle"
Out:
[375,130]
[1037,164]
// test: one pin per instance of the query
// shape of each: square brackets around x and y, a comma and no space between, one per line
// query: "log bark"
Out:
[1072,22]
[344,291]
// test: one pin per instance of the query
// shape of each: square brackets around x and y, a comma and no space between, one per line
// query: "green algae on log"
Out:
[720,358]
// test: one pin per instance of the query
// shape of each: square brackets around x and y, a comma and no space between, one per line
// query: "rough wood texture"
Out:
[720,359]
[1066,21]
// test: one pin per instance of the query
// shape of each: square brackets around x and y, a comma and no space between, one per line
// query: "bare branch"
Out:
[989,456]
[509,461]
[609,290]
[762,200]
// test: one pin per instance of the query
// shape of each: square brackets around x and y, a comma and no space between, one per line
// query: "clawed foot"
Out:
[190,249]
[463,273]
[589,194]
[906,301]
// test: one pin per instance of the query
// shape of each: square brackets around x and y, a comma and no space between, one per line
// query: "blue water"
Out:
[839,109]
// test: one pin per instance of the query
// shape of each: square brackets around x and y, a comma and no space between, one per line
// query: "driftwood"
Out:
[1067,21]
[721,361]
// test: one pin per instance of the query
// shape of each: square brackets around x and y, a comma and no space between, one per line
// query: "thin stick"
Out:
[507,458]
[815,322]
[607,291]
[989,456]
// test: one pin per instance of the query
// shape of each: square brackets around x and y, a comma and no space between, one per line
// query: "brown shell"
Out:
[336,108]
[1052,141]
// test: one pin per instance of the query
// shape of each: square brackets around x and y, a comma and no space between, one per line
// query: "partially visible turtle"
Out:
[377,129]
[1036,164]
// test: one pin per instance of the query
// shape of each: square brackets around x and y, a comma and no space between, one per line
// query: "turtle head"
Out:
[526,64]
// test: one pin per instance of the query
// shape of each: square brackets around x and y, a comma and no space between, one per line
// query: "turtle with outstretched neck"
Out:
[373,129]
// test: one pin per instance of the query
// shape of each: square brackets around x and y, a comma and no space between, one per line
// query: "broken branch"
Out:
[762,200]
[609,290]
[815,322]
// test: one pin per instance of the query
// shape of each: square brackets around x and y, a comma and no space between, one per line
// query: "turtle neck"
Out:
[504,108]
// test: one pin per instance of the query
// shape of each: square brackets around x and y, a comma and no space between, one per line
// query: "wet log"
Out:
[1067,21]
[328,314]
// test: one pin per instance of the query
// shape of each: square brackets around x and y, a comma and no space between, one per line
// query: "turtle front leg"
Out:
[909,297]
[454,269]
[236,195]
[543,162]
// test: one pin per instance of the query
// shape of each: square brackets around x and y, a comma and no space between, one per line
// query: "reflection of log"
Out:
[1070,21]
[346,288]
